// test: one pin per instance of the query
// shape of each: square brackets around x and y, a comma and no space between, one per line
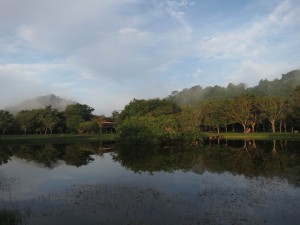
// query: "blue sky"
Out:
[105,53]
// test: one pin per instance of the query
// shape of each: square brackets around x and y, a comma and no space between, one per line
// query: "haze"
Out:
[105,53]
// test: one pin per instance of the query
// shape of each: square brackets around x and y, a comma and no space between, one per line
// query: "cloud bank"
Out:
[105,53]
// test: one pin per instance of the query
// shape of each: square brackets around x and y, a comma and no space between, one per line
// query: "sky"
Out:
[105,53]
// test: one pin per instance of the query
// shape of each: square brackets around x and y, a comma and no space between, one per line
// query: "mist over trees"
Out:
[40,102]
[279,87]
[76,118]
[271,106]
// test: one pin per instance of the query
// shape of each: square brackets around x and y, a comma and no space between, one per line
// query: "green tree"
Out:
[76,114]
[295,106]
[274,108]
[216,114]
[24,119]
[151,107]
[5,120]
[88,127]
[49,117]
[240,110]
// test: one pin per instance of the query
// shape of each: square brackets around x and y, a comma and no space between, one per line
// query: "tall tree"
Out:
[216,114]
[49,118]
[76,114]
[240,110]
[24,119]
[5,120]
[295,105]
[294,109]
[274,108]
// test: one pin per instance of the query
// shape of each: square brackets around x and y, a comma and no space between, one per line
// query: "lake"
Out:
[211,182]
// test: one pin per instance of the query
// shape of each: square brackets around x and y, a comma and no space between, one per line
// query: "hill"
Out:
[41,102]
[278,87]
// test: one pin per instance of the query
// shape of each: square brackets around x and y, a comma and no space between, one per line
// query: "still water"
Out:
[220,182]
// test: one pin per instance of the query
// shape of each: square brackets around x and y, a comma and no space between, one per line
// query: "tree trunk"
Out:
[273,126]
[244,127]
[218,129]
[280,126]
[253,127]
[284,127]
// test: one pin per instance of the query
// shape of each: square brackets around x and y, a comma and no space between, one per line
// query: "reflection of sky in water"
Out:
[82,195]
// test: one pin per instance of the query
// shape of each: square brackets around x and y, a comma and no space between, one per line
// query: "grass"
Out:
[54,138]
[70,138]
[254,136]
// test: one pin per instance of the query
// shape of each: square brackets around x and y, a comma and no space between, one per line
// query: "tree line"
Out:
[278,87]
[76,118]
[270,106]
[158,120]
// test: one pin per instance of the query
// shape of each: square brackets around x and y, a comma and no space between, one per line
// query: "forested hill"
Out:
[40,102]
[278,87]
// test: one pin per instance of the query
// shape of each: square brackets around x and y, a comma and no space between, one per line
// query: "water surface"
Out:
[219,182]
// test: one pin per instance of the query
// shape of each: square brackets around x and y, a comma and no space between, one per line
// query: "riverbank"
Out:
[253,136]
[54,138]
[70,138]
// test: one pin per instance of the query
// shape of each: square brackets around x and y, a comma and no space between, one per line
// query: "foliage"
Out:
[240,110]
[5,120]
[88,127]
[295,106]
[274,108]
[26,120]
[76,114]
[49,118]
[271,105]
[215,114]
[279,87]
[151,107]
[157,121]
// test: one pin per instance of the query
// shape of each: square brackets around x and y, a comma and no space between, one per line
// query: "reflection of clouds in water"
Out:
[117,204]
[260,200]
[221,199]
[6,183]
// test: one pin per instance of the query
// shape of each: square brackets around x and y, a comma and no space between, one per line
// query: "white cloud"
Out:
[176,10]
[251,72]
[253,40]
[198,73]
[136,48]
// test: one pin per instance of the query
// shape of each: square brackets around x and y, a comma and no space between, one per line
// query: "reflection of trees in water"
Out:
[6,152]
[50,155]
[42,154]
[155,159]
[253,158]
[75,156]
[247,157]
[10,217]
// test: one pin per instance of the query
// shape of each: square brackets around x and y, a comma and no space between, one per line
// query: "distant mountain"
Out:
[41,102]
[278,87]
